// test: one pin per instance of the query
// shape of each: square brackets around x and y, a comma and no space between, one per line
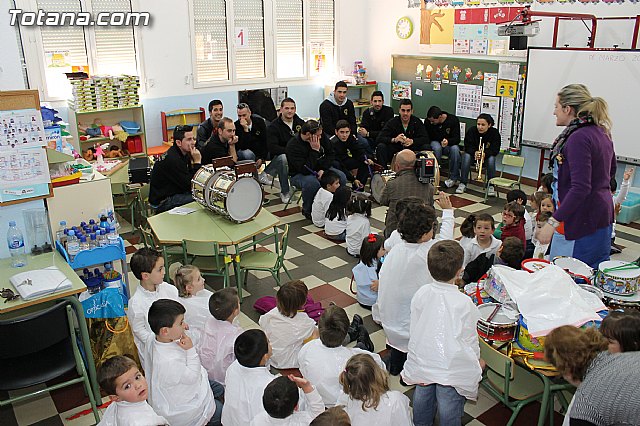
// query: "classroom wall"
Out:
[10,67]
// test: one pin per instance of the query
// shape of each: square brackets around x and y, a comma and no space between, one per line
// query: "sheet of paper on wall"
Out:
[506,121]
[468,100]
[491,106]
[40,282]
[508,71]
[463,129]
[489,85]
[437,85]
[21,128]
[418,92]
[497,47]
[22,167]
[460,46]
[478,47]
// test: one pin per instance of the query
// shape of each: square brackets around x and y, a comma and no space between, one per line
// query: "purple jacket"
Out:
[583,182]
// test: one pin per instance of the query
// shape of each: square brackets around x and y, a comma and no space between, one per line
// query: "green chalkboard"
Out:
[419,76]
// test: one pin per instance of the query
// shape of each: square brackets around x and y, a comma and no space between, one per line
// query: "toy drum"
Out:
[379,183]
[614,301]
[200,187]
[618,277]
[239,200]
[499,328]
[577,269]
[525,340]
[533,265]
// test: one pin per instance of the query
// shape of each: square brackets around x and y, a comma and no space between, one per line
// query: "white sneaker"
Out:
[265,179]
[286,197]
[449,183]
[492,191]
[461,188]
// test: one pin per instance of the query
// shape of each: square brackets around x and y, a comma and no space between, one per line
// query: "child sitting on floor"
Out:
[335,227]
[484,241]
[520,197]
[147,265]
[329,182]
[280,401]
[220,332]
[510,254]
[287,326]
[622,330]
[512,224]
[127,388]
[194,297]
[394,238]
[365,273]
[358,226]
[466,230]
[367,398]
[540,250]
[322,360]
[335,416]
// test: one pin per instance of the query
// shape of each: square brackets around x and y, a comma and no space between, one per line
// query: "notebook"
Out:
[40,282]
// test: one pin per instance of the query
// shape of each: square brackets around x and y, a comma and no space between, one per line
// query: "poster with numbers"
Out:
[468,100]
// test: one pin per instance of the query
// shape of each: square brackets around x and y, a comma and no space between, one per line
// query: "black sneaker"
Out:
[354,328]
[307,215]
[363,337]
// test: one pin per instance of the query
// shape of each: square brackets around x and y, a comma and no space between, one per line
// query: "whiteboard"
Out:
[613,75]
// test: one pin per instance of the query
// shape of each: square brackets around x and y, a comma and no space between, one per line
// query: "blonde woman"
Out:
[583,162]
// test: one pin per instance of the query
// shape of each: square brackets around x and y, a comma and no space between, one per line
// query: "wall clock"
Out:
[404,28]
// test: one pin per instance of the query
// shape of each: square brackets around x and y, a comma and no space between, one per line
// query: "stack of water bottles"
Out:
[87,236]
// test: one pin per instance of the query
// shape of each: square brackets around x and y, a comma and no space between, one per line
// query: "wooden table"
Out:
[19,307]
[204,225]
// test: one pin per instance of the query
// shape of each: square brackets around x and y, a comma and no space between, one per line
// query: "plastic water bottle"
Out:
[93,243]
[104,225]
[84,245]
[112,236]
[15,241]
[61,235]
[102,238]
[73,245]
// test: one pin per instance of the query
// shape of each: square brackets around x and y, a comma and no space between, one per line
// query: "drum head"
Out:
[499,318]
[573,265]
[533,265]
[244,199]
[377,186]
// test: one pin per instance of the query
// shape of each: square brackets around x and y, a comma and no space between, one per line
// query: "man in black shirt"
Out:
[444,133]
[403,132]
[251,130]
[171,176]
[221,144]
[210,125]
[374,118]
[283,128]
[349,155]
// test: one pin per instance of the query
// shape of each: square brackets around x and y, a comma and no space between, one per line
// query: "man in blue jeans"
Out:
[444,130]
[309,154]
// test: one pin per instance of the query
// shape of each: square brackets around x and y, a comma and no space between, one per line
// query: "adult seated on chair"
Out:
[283,128]
[404,184]
[490,137]
[251,130]
[223,143]
[402,132]
[210,125]
[338,107]
[374,118]
[444,133]
[349,156]
[309,154]
[171,176]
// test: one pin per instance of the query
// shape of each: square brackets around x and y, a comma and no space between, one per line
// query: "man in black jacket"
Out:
[374,118]
[251,130]
[403,132]
[349,155]
[283,128]
[222,143]
[309,154]
[210,125]
[171,176]
[444,134]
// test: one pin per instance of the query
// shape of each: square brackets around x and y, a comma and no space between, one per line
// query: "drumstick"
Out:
[313,172]
[368,165]
[494,313]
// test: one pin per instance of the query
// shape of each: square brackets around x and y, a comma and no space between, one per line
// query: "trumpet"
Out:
[480,160]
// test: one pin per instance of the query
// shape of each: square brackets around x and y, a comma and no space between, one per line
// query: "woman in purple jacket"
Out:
[583,163]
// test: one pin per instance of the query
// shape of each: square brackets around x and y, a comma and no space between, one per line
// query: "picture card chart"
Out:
[469,100]
[21,128]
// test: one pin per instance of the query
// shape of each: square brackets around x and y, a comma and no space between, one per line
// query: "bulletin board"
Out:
[24,171]
[464,87]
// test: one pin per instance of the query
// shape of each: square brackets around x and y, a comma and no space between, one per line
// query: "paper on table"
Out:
[39,282]
[181,210]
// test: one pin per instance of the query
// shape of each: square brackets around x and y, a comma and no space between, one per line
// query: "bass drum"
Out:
[239,200]
[201,186]
[379,183]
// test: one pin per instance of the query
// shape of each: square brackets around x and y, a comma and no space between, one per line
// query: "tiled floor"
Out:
[326,269]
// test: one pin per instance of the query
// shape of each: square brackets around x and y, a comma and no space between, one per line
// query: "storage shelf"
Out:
[96,255]
[97,111]
[102,139]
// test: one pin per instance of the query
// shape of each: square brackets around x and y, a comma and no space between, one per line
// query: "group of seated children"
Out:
[343,215]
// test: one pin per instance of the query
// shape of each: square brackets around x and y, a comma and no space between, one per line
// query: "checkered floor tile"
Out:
[325,267]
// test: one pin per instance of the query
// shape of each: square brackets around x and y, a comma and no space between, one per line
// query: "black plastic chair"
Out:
[39,347]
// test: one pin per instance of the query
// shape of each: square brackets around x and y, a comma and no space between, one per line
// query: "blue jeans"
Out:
[309,184]
[218,394]
[174,201]
[277,167]
[453,151]
[449,402]
[466,167]
[245,154]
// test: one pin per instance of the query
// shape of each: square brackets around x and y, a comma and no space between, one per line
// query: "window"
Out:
[270,40]
[58,49]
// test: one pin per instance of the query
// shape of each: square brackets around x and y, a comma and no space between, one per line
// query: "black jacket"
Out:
[491,140]
[374,121]
[205,130]
[279,133]
[415,130]
[214,148]
[330,113]
[449,130]
[255,139]
[300,154]
[172,175]
[344,151]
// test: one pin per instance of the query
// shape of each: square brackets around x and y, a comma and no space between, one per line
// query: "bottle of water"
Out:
[102,238]
[93,243]
[73,245]
[104,225]
[112,236]
[61,236]
[84,245]
[15,241]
